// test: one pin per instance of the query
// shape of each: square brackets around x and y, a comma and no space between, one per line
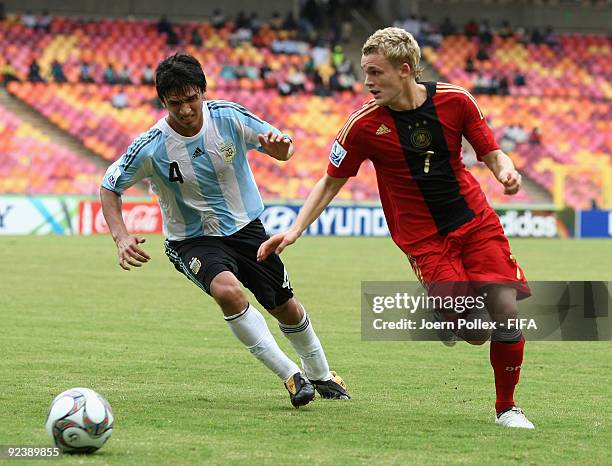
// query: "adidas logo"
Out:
[197,153]
[382,129]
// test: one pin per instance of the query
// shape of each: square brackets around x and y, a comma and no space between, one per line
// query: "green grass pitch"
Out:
[184,391]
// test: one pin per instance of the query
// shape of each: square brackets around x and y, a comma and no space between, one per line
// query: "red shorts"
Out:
[477,252]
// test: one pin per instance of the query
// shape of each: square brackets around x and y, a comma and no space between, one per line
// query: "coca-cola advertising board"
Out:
[139,217]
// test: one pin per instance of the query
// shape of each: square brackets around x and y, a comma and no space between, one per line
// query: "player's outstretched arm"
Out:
[319,198]
[503,168]
[128,249]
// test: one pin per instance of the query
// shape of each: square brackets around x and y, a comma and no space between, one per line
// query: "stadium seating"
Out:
[33,164]
[578,66]
[564,96]
[85,111]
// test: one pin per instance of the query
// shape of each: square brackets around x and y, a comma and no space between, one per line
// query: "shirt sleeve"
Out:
[132,166]
[476,130]
[347,154]
[250,125]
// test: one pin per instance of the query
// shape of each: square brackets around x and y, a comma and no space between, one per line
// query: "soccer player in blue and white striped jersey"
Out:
[196,160]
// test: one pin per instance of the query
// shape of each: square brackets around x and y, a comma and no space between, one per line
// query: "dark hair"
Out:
[179,73]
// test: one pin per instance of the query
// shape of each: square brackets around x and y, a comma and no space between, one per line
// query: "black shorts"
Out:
[202,259]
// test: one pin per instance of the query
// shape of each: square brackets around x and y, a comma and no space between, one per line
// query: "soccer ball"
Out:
[79,421]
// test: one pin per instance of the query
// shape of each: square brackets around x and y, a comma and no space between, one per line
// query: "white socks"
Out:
[251,329]
[307,345]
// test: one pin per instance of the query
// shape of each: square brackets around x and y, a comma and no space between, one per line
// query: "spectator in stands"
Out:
[124,76]
[448,28]
[147,75]
[513,135]
[550,38]
[536,37]
[469,65]
[296,79]
[240,70]
[346,31]
[471,28]
[485,35]
[57,72]
[172,39]
[34,72]
[228,71]
[482,54]
[320,54]
[240,35]
[164,26]
[120,99]
[267,76]
[412,25]
[520,135]
[505,31]
[196,38]
[109,75]
[434,38]
[28,20]
[218,19]
[345,81]
[290,24]
[8,73]
[85,73]
[519,79]
[44,22]
[338,56]
[283,87]
[426,29]
[535,138]
[504,86]
[494,86]
[311,12]
[255,22]
[481,84]
[276,21]
[242,21]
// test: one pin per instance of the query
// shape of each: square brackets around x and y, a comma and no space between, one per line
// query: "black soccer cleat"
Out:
[301,391]
[333,389]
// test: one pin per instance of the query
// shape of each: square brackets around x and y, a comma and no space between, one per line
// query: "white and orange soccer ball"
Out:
[79,421]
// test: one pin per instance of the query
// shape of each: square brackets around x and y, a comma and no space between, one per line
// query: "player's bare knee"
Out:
[502,311]
[502,303]
[228,293]
[291,312]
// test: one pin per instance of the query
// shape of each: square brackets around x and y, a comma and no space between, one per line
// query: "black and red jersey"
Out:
[425,189]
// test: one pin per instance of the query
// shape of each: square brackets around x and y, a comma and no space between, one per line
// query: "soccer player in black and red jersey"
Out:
[435,209]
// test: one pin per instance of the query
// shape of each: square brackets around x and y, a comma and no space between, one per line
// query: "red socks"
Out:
[506,359]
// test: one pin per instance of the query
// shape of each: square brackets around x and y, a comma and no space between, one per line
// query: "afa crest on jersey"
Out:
[228,150]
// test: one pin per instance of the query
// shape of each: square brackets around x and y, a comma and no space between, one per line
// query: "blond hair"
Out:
[396,45]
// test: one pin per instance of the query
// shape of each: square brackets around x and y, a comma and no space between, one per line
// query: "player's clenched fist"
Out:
[512,181]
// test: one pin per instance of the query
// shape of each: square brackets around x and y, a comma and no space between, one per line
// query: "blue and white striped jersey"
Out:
[204,183]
